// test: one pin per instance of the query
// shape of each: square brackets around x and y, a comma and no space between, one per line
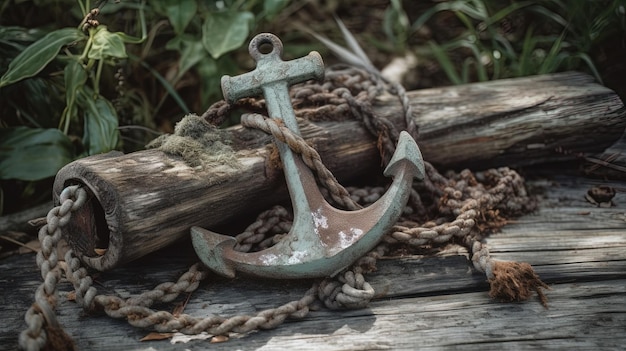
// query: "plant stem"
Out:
[96,83]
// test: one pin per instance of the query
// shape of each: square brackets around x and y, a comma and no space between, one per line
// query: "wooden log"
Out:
[143,201]
[19,221]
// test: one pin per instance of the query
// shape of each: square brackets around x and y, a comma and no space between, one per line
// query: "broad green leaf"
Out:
[180,13]
[19,37]
[273,7]
[225,31]
[33,153]
[101,132]
[37,55]
[191,54]
[106,45]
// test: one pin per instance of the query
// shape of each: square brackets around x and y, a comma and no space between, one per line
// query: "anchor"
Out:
[323,240]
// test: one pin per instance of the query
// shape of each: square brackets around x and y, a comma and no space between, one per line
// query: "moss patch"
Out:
[198,143]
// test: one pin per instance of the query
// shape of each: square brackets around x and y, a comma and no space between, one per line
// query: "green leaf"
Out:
[101,132]
[37,55]
[142,22]
[583,56]
[180,13]
[75,77]
[272,7]
[507,11]
[225,31]
[445,62]
[106,45]
[33,153]
[19,37]
[191,52]
[166,85]
[396,24]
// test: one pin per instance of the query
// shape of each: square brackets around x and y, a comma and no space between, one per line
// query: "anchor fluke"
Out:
[212,248]
[407,154]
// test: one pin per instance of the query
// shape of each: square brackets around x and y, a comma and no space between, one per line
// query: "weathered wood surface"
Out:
[611,163]
[423,303]
[146,200]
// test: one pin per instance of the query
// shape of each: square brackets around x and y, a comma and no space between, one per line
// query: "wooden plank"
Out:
[581,315]
[422,302]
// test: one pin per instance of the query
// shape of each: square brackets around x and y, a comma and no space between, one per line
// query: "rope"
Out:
[309,155]
[41,313]
[42,322]
[459,207]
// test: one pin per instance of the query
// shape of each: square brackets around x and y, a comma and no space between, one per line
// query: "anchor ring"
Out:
[262,39]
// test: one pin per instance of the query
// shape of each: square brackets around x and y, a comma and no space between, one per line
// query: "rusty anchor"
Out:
[323,240]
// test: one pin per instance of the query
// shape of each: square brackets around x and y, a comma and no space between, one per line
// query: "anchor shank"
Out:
[299,178]
[278,103]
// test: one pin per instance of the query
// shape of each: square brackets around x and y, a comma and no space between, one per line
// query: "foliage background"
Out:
[119,82]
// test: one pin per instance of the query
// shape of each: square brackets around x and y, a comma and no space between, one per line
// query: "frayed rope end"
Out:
[58,340]
[516,281]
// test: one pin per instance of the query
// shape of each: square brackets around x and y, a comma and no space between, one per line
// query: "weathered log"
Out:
[143,201]
[19,221]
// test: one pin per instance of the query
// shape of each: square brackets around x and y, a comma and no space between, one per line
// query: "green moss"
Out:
[198,143]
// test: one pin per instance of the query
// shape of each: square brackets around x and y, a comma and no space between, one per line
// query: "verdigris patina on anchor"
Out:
[323,240]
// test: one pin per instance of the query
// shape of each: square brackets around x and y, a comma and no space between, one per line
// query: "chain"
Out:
[459,208]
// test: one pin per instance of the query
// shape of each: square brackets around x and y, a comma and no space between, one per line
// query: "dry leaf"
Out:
[183,338]
[29,247]
[100,252]
[180,308]
[157,336]
[218,338]
[32,246]
[38,222]
[62,248]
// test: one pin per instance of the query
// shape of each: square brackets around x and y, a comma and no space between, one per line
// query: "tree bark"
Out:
[143,201]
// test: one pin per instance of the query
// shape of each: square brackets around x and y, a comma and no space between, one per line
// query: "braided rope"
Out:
[42,322]
[41,313]
[456,207]
[309,155]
